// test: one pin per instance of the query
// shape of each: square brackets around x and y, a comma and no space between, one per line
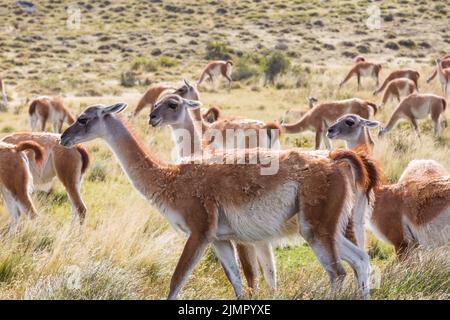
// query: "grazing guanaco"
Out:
[174,111]
[417,106]
[403,73]
[3,96]
[320,191]
[156,92]
[398,88]
[445,63]
[444,77]
[16,181]
[416,210]
[68,164]
[322,116]
[49,108]
[217,68]
[354,130]
[363,69]
[297,114]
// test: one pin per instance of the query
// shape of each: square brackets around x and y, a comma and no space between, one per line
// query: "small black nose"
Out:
[330,130]
[152,116]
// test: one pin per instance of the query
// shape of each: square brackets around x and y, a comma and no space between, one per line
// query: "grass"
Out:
[127,250]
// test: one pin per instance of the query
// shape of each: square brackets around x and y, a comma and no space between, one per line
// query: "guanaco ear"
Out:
[186,82]
[192,104]
[115,108]
[371,124]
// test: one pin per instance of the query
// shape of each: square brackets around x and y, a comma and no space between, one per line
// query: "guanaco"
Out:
[49,108]
[217,68]
[417,106]
[156,92]
[363,69]
[444,77]
[325,114]
[16,181]
[403,73]
[416,210]
[68,164]
[445,63]
[398,88]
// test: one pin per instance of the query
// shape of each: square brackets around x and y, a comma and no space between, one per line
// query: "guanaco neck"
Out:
[146,174]
[363,140]
[299,126]
[440,70]
[392,121]
[192,143]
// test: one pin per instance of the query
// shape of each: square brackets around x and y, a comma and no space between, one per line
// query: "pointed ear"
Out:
[186,82]
[115,108]
[371,124]
[192,104]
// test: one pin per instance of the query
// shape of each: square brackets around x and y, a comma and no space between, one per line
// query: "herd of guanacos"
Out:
[326,197]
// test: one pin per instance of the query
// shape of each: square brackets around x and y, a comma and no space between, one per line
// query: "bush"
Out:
[275,64]
[145,64]
[217,50]
[246,67]
[165,61]
[128,79]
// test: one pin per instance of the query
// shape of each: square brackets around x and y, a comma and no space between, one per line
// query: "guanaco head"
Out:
[350,128]
[187,90]
[360,59]
[312,101]
[90,124]
[171,109]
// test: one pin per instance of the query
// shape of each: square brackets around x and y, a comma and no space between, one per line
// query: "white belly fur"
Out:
[262,219]
[433,234]
[367,72]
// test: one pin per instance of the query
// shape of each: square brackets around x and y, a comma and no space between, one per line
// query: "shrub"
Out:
[407,43]
[246,67]
[217,50]
[275,64]
[128,79]
[147,65]
[165,61]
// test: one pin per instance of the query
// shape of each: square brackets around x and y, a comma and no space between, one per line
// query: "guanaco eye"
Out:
[173,105]
[82,121]
[350,123]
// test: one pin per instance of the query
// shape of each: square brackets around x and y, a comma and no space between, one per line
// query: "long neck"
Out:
[298,126]
[393,120]
[186,137]
[362,140]
[440,69]
[146,175]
